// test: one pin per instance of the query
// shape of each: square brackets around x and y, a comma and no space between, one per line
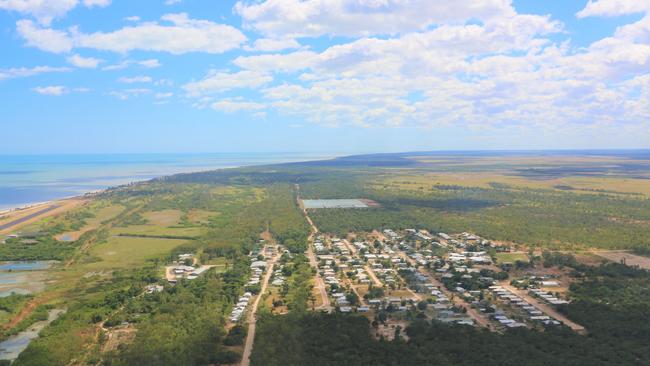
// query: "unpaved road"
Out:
[624,256]
[373,276]
[319,284]
[479,318]
[252,316]
[549,310]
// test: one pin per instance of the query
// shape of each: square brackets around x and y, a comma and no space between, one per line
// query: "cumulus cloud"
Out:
[84,62]
[135,79]
[100,3]
[303,18]
[47,10]
[271,45]
[55,91]
[612,8]
[26,71]
[175,34]
[45,39]
[500,71]
[129,93]
[217,82]
[148,64]
[234,106]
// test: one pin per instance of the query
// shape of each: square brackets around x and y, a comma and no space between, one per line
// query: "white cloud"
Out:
[176,34]
[56,91]
[133,18]
[233,106]
[47,10]
[278,62]
[164,95]
[149,64]
[84,62]
[45,39]
[612,8]
[271,45]
[100,3]
[26,72]
[500,72]
[135,79]
[301,18]
[181,35]
[172,2]
[128,93]
[216,82]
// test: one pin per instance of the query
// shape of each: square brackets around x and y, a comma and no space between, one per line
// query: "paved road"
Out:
[546,308]
[252,317]
[27,218]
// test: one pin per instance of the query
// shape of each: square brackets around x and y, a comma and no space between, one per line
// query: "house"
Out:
[550,284]
[258,264]
[150,289]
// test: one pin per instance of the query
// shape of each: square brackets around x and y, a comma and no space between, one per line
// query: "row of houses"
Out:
[533,313]
[548,297]
[240,307]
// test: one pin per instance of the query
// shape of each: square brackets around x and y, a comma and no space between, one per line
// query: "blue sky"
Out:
[89,76]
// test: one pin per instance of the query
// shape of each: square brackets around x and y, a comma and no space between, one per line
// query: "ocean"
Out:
[29,179]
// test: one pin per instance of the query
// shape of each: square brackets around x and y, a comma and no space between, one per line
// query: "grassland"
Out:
[511,257]
[99,212]
[126,252]
[557,202]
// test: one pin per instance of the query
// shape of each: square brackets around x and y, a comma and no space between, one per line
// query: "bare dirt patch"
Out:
[621,256]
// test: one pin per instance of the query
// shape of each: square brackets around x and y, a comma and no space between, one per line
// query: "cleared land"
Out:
[124,252]
[334,203]
[511,257]
[102,214]
[622,256]
[31,215]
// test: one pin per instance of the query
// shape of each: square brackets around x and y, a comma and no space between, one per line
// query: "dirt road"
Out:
[479,318]
[319,284]
[252,316]
[549,310]
[373,276]
[625,257]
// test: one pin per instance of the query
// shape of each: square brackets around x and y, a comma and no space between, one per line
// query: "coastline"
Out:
[32,206]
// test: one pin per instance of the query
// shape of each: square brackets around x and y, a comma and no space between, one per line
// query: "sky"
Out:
[119,76]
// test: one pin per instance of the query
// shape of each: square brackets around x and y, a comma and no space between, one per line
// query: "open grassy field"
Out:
[584,185]
[125,252]
[154,230]
[511,257]
[164,217]
[101,212]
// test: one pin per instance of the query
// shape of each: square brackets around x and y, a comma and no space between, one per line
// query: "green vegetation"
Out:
[40,248]
[124,239]
[11,305]
[104,287]
[613,305]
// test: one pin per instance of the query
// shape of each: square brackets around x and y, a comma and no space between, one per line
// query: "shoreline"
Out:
[32,205]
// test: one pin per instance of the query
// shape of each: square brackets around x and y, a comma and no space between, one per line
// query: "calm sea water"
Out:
[27,179]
